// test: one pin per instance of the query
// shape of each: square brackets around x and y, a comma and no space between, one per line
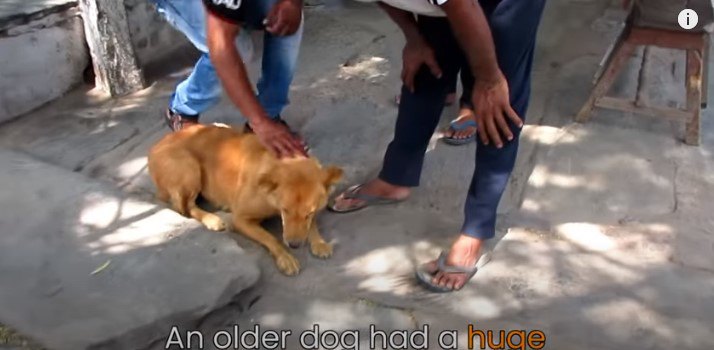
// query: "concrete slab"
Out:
[371,261]
[84,126]
[14,9]
[11,340]
[279,311]
[599,174]
[83,266]
[41,64]
[602,285]
[692,221]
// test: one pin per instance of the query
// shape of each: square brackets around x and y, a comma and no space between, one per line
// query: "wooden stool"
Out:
[696,45]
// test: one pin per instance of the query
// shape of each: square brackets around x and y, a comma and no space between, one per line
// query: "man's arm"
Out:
[471,29]
[229,65]
[416,52]
[234,78]
[405,20]
[491,96]
[284,17]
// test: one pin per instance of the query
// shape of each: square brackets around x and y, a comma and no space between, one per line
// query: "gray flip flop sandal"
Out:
[367,200]
[456,126]
[425,277]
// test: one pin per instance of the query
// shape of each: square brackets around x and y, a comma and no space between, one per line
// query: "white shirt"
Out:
[420,7]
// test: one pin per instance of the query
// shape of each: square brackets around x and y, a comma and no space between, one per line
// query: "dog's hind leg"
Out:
[162,195]
[212,221]
[179,183]
[184,202]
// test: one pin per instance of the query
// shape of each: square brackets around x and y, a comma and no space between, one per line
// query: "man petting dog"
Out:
[213,27]
[495,39]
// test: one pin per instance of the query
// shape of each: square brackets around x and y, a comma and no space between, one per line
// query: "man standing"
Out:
[213,27]
[495,40]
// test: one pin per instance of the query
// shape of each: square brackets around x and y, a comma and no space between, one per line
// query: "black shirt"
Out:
[230,10]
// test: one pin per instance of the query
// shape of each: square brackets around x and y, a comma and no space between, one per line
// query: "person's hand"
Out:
[415,54]
[284,17]
[278,138]
[493,111]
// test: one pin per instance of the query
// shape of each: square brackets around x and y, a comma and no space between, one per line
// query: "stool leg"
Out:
[622,53]
[705,69]
[694,95]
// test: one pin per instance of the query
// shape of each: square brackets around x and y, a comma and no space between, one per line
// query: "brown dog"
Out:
[233,171]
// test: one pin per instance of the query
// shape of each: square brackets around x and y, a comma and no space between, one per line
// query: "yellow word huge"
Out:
[511,340]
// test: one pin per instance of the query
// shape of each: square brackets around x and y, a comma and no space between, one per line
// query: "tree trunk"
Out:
[107,32]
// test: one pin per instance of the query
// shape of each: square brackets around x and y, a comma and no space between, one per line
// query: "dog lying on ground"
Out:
[234,172]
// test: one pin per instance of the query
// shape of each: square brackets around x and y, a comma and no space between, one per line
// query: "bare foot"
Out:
[376,187]
[465,115]
[464,252]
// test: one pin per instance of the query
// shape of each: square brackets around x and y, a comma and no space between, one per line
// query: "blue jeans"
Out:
[514,25]
[202,89]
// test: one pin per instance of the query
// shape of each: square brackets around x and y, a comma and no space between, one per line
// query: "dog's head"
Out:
[300,190]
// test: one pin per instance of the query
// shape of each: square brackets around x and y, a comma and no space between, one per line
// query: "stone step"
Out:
[13,12]
[83,265]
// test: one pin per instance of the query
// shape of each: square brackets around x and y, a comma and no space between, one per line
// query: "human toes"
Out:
[342,203]
[455,281]
[468,132]
[460,282]
[430,267]
[449,280]
[450,133]
[439,279]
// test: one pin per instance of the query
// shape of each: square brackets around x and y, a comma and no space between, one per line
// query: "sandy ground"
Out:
[605,235]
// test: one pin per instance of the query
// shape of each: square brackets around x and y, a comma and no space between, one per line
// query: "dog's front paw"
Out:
[321,250]
[287,264]
[214,223]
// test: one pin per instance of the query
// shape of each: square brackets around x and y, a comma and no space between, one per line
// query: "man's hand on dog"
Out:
[278,139]
[284,18]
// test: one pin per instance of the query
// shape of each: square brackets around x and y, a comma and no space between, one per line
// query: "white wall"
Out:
[153,38]
[37,64]
[45,56]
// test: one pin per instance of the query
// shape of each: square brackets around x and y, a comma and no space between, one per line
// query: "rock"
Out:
[82,265]
[16,11]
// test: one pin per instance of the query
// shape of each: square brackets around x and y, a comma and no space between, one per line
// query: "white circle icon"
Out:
[688,19]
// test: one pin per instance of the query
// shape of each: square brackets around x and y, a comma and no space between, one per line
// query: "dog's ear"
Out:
[267,182]
[333,175]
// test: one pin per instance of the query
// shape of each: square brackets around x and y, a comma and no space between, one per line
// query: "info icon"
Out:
[688,19]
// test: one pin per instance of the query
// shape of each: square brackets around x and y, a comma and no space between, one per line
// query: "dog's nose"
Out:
[295,245]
